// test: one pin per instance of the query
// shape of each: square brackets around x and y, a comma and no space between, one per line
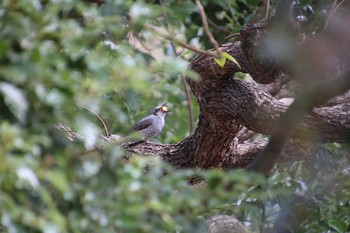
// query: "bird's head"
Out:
[160,110]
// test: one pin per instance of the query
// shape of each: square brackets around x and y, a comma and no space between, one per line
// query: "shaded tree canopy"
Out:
[262,85]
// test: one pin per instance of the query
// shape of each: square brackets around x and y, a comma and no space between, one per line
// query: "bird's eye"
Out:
[164,109]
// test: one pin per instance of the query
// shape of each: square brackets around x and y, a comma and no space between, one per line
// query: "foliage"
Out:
[57,56]
[224,56]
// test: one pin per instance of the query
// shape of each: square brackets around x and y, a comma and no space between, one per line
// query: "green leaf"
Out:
[58,180]
[15,99]
[228,56]
[222,61]
[338,225]
[214,179]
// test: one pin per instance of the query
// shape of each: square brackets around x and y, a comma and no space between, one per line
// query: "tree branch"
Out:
[179,42]
[206,27]
[288,124]
[187,92]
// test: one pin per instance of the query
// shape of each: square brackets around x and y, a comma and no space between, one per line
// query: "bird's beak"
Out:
[164,108]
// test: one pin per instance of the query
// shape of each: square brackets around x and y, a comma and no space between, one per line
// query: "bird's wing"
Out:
[142,124]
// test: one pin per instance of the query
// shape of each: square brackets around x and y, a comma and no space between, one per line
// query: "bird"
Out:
[152,124]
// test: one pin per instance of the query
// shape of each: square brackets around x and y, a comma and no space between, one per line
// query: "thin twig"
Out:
[331,14]
[100,119]
[263,217]
[184,82]
[194,49]
[229,37]
[71,134]
[267,8]
[218,27]
[182,44]
[206,27]
[187,92]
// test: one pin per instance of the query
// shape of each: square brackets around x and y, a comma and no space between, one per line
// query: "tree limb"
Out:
[289,122]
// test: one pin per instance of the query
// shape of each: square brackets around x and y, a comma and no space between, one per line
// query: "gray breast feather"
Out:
[153,129]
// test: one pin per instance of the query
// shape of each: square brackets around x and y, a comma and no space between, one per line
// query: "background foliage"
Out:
[57,56]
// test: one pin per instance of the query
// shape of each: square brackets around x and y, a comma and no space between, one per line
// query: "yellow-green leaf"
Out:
[228,56]
[221,61]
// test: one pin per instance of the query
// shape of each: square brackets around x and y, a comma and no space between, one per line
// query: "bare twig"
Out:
[100,119]
[267,8]
[331,14]
[194,49]
[263,217]
[188,99]
[218,27]
[187,92]
[184,83]
[71,134]
[229,37]
[182,44]
[206,27]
